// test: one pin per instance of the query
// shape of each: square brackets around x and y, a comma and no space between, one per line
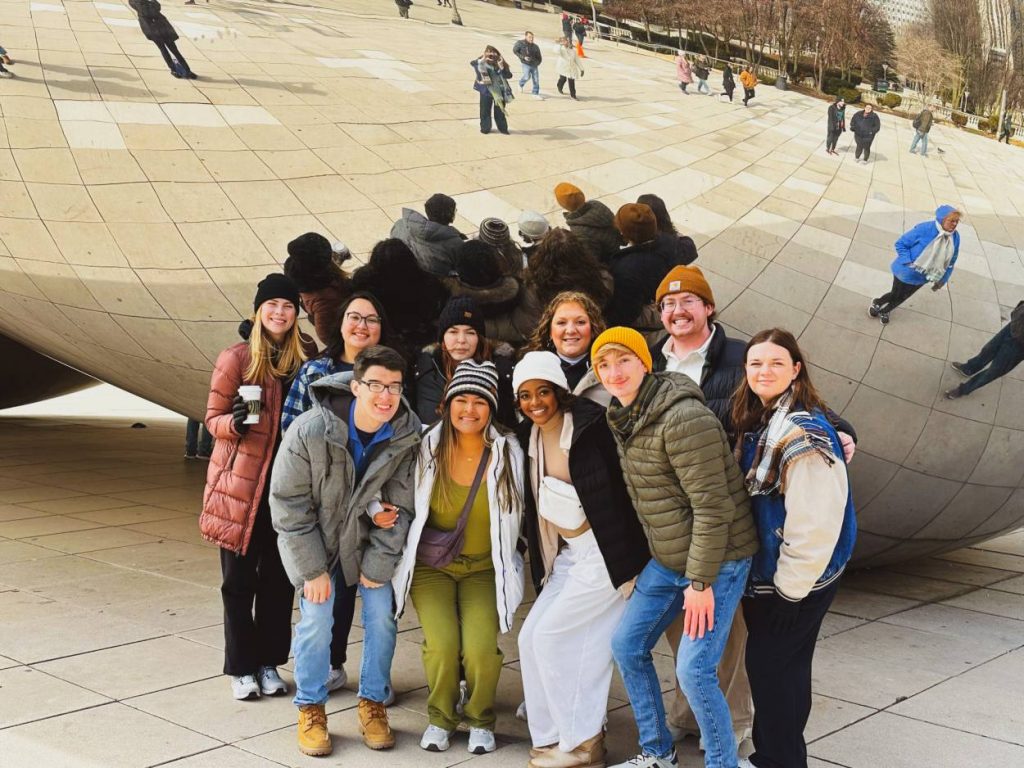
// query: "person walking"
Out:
[1000,355]
[158,30]
[579,27]
[403,8]
[5,59]
[922,125]
[806,525]
[568,66]
[702,72]
[688,491]
[528,53]
[342,501]
[925,254]
[575,493]
[1006,129]
[198,440]
[492,76]
[461,566]
[728,81]
[684,73]
[865,125]
[749,82]
[566,25]
[836,125]
[236,515]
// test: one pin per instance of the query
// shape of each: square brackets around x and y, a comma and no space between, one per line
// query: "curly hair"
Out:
[540,340]
[561,262]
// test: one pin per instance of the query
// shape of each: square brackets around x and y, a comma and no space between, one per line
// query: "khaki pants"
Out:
[732,677]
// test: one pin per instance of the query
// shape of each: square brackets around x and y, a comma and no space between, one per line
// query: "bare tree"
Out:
[957,27]
[922,61]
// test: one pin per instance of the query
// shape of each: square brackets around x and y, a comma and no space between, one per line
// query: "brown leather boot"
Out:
[313,736]
[538,751]
[589,754]
[373,725]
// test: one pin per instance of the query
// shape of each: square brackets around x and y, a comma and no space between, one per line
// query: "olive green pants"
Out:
[458,611]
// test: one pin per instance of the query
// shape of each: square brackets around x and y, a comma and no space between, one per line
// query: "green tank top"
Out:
[478,525]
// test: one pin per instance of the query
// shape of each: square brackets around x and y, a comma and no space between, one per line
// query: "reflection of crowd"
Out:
[647,475]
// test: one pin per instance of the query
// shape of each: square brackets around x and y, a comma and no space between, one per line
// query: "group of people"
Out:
[865,124]
[701,70]
[681,482]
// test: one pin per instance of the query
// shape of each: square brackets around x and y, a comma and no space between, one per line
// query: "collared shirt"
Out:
[692,364]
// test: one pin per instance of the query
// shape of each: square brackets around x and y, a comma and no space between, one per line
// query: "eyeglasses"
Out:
[378,386]
[367,320]
[671,305]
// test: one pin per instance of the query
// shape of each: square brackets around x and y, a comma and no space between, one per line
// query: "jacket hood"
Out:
[423,228]
[338,385]
[942,212]
[669,389]
[592,213]
[503,293]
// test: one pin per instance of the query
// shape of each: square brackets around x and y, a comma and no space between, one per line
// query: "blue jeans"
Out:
[531,72]
[920,137]
[311,645]
[656,601]
[198,441]
[1000,355]
[702,86]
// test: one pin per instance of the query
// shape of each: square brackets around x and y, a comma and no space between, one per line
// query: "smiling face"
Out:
[374,409]
[685,315]
[770,370]
[469,414]
[277,316]
[570,330]
[360,327]
[461,342]
[538,401]
[621,373]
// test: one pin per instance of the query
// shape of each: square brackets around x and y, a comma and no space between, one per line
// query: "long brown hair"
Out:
[748,412]
[540,340]
[562,262]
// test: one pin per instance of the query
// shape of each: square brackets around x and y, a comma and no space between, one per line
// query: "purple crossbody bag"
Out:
[438,548]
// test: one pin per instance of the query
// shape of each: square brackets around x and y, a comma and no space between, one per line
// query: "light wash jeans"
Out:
[656,601]
[920,137]
[703,87]
[531,72]
[311,645]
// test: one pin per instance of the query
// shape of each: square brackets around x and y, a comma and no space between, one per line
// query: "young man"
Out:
[696,516]
[922,124]
[528,53]
[341,498]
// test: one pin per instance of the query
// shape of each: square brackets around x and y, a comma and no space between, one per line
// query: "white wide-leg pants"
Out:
[565,651]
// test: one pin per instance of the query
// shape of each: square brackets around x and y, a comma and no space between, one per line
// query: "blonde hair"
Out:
[267,359]
[613,346]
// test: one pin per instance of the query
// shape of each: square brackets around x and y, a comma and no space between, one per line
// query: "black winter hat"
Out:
[312,246]
[275,286]
[460,310]
[477,264]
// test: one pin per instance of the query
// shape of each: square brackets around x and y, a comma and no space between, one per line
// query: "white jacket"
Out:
[568,63]
[505,523]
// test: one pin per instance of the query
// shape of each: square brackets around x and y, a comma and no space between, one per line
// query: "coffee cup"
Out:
[251,395]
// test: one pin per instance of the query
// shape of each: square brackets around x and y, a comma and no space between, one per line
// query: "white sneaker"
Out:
[271,683]
[460,705]
[6,73]
[538,97]
[745,763]
[435,739]
[245,687]
[649,761]
[521,712]
[337,679]
[481,741]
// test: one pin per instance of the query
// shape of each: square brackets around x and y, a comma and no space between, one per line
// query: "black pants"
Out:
[562,80]
[779,668]
[171,49]
[748,94]
[728,92]
[997,358]
[863,146]
[832,139]
[256,580]
[488,105]
[344,611]
[899,293]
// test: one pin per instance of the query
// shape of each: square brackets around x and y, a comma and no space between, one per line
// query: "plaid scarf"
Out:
[781,443]
[623,418]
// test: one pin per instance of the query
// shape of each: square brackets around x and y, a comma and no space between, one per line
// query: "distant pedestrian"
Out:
[403,7]
[5,59]
[446,3]
[925,254]
[684,73]
[566,26]
[922,124]
[865,125]
[728,82]
[580,28]
[749,81]
[702,72]
[492,76]
[528,53]
[198,440]
[998,357]
[568,67]
[1006,129]
[158,30]
[836,125]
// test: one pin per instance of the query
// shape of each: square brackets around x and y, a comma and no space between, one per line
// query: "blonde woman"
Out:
[236,513]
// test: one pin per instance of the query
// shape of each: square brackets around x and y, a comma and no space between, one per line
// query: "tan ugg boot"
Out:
[373,725]
[589,754]
[313,736]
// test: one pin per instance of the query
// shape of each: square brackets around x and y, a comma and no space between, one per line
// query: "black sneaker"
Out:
[874,310]
[959,368]
[883,317]
[953,394]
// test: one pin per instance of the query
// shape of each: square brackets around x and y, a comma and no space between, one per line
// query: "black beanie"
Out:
[477,264]
[312,246]
[275,286]
[460,310]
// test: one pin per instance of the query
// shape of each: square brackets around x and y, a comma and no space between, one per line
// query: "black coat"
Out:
[865,126]
[528,53]
[836,119]
[597,477]
[152,22]
[684,247]
[637,271]
[728,82]
[429,384]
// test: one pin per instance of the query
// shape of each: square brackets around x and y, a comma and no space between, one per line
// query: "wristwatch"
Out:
[698,586]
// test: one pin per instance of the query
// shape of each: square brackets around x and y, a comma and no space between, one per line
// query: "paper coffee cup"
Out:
[251,395]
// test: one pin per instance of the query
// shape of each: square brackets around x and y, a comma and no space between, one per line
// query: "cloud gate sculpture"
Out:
[138,210]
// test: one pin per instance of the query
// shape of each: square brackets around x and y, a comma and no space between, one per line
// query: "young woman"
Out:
[684,72]
[568,66]
[686,249]
[236,510]
[469,478]
[461,337]
[576,494]
[492,76]
[803,509]
[158,30]
[568,326]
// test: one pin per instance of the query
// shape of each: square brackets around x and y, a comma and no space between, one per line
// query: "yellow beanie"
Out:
[685,280]
[569,196]
[626,337]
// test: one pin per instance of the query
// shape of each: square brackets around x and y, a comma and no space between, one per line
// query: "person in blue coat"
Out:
[925,254]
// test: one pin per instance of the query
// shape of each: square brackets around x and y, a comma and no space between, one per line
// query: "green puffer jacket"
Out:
[682,478]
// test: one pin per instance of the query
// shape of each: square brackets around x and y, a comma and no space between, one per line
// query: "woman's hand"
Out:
[239,412]
[317,590]
[387,517]
[699,612]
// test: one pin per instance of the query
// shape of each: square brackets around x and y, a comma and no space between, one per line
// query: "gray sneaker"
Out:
[336,679]
[481,741]
[435,739]
[959,368]
[649,761]
[245,687]
[271,683]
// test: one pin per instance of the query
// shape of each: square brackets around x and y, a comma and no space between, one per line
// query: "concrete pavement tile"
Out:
[992,601]
[30,694]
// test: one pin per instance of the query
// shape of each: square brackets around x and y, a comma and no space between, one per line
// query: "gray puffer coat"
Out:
[594,224]
[318,509]
[436,246]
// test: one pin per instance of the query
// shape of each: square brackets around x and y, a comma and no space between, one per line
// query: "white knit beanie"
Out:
[473,378]
[539,365]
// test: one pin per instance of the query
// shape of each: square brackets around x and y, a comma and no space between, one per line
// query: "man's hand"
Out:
[387,517]
[699,612]
[849,447]
[318,589]
[363,581]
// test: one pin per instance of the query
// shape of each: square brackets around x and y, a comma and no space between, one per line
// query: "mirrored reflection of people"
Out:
[836,125]
[568,66]
[728,82]
[998,357]
[925,254]
[1006,130]
[403,7]
[865,125]
[158,30]
[492,76]
[749,81]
